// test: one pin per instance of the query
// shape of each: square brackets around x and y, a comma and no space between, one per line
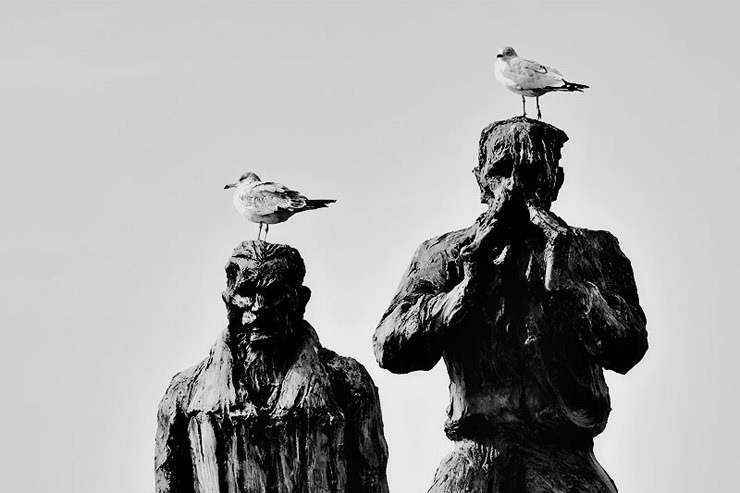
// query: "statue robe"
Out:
[320,431]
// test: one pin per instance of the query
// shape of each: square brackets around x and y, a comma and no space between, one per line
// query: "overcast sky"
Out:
[122,121]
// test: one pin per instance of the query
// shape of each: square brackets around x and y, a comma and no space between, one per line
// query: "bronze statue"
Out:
[270,410]
[526,311]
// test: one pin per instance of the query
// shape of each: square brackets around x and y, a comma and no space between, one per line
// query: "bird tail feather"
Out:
[318,203]
[572,86]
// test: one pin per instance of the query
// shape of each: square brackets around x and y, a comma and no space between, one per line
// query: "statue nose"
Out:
[259,303]
[512,183]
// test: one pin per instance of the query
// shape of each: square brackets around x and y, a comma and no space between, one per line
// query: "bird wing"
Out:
[532,75]
[268,197]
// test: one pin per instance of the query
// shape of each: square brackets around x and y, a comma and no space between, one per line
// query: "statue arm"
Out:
[602,301]
[429,299]
[173,469]
[618,335]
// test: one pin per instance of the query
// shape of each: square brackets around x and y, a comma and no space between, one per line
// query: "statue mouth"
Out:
[262,329]
[259,326]
[258,334]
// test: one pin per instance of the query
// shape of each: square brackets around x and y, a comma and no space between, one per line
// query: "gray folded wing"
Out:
[270,197]
[532,75]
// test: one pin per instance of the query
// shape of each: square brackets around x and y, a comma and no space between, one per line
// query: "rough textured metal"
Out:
[270,410]
[526,312]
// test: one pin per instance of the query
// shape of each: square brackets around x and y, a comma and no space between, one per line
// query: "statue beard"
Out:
[260,366]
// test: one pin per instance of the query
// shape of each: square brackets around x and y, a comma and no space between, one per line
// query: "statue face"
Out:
[265,296]
[503,178]
[264,301]
[266,313]
[497,177]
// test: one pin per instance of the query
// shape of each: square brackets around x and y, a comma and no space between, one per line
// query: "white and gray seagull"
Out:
[529,78]
[267,202]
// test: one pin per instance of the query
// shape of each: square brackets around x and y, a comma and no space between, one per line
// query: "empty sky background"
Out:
[121,122]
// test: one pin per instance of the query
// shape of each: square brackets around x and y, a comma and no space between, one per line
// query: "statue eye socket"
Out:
[245,291]
[502,167]
[278,297]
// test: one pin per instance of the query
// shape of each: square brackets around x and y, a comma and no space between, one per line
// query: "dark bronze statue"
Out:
[526,311]
[270,410]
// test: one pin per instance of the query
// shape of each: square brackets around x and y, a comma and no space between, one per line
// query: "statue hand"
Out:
[452,305]
[496,226]
[488,225]
[558,272]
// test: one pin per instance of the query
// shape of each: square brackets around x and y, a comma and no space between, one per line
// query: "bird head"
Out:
[506,53]
[247,177]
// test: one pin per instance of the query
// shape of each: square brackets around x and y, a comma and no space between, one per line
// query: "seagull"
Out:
[267,202]
[529,78]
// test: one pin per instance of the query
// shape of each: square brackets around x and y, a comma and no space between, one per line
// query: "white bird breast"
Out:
[239,204]
[499,67]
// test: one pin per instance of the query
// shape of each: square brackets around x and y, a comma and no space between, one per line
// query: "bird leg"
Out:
[267,229]
[539,113]
[259,232]
[524,107]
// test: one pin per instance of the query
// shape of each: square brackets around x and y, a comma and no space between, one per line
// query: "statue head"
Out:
[265,296]
[519,158]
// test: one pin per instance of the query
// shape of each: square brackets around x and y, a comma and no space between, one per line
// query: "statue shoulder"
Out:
[187,383]
[587,239]
[602,258]
[599,240]
[178,391]
[447,244]
[351,383]
[441,253]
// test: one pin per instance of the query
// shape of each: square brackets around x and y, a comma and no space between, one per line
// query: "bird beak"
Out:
[499,55]
[230,185]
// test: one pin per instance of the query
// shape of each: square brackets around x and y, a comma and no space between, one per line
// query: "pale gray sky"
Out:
[122,121]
